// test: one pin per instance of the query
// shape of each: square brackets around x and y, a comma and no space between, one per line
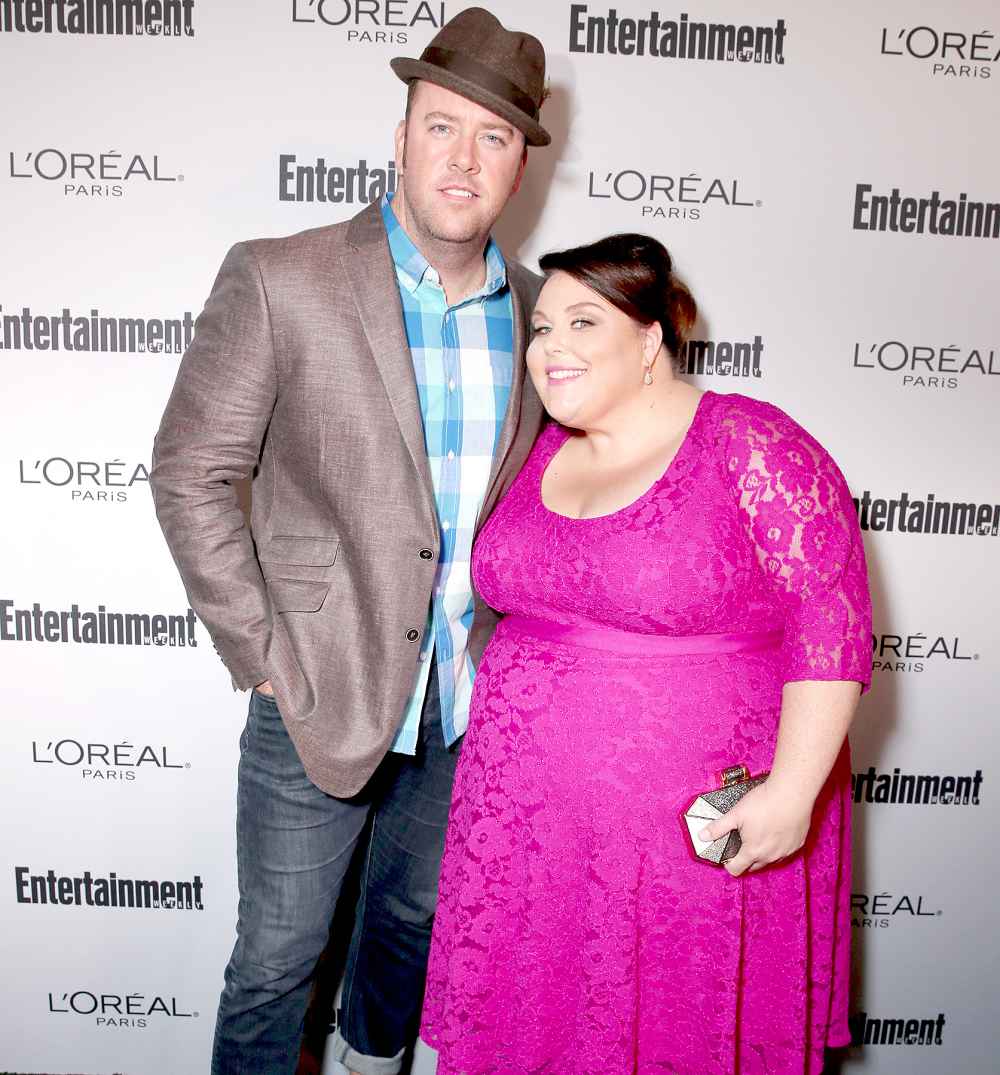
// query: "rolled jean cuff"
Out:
[338,1048]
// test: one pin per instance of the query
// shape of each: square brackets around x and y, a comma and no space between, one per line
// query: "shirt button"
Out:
[423,655]
[451,385]
[451,454]
[426,554]
[446,525]
[412,635]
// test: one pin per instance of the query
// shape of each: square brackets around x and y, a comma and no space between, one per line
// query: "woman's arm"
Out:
[774,818]
[799,517]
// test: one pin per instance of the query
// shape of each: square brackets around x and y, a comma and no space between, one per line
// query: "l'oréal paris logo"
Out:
[928,365]
[96,174]
[85,481]
[915,652]
[107,764]
[119,1010]
[673,196]
[880,910]
[371,22]
[945,53]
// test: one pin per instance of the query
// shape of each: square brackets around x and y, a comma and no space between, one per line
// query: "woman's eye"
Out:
[578,322]
[537,330]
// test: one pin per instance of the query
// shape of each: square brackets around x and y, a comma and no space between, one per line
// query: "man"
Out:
[373,373]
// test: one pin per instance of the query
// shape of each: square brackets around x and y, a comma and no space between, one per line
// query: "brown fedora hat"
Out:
[502,70]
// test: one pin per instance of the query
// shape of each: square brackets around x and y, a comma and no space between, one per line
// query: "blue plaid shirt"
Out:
[463,359]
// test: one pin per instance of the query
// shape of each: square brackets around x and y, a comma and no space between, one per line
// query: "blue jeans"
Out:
[294,844]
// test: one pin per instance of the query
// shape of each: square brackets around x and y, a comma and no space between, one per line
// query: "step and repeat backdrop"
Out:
[827,178]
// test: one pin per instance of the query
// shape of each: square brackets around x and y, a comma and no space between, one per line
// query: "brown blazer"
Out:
[300,367]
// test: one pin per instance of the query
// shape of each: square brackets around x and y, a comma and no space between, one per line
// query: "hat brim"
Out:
[408,69]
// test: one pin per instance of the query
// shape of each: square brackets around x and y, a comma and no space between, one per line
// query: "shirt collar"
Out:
[413,269]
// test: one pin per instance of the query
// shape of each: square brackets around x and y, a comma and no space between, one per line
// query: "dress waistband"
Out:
[630,643]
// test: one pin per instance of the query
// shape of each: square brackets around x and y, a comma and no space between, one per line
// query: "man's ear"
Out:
[399,141]
[520,171]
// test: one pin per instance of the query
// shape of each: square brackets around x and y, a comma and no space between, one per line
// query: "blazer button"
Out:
[426,554]
[412,635]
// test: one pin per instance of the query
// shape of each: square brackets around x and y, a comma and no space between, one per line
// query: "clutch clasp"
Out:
[735,774]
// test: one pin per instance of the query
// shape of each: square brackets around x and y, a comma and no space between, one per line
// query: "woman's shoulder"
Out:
[756,437]
[739,417]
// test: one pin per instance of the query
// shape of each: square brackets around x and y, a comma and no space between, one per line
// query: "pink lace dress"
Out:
[575,932]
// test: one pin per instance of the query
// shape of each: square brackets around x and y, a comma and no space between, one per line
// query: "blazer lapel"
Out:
[372,276]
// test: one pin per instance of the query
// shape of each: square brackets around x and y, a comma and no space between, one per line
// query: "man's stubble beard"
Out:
[424,225]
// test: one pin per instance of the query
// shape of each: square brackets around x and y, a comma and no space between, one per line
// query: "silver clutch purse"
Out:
[735,782]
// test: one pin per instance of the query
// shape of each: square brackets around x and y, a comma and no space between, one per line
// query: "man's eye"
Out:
[495,139]
[441,127]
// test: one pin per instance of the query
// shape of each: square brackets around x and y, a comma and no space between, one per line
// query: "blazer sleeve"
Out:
[210,436]
[800,519]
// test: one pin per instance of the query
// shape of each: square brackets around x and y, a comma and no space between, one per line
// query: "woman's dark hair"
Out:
[634,273]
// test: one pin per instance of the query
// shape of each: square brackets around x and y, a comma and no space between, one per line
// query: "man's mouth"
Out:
[459,192]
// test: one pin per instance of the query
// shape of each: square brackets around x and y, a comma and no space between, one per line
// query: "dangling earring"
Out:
[648,376]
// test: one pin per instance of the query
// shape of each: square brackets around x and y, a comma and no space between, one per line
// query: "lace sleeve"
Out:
[801,520]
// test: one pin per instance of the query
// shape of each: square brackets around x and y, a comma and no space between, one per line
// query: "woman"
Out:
[684,587]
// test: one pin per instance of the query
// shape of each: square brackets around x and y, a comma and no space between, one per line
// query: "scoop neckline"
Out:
[685,447]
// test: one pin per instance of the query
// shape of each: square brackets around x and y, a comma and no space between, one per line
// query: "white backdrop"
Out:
[131,162]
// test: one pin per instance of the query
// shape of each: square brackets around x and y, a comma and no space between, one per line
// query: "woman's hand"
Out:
[773,821]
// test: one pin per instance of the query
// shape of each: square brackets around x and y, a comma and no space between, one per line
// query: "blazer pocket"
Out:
[308,559]
[297,595]
[307,551]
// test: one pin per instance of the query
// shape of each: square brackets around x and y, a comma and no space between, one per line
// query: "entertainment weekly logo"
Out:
[934,366]
[673,196]
[113,1008]
[907,514]
[925,214]
[100,627]
[674,39]
[880,910]
[916,789]
[120,18]
[371,22]
[69,330]
[83,481]
[917,652]
[105,764]
[352,184]
[110,891]
[945,53]
[866,1030]
[101,174]
[722,358]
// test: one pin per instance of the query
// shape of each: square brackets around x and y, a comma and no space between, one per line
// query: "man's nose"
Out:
[464,156]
